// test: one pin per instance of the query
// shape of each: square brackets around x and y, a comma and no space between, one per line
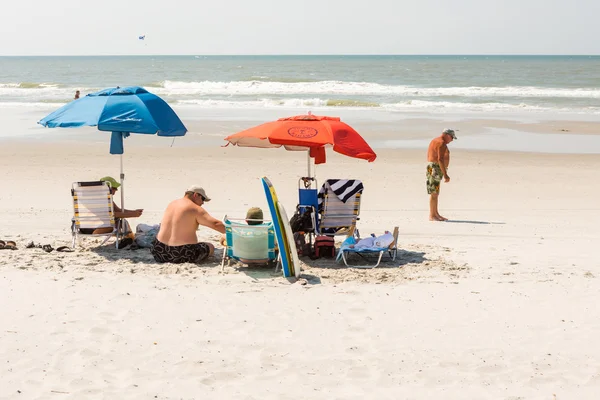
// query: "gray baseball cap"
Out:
[451,133]
[199,190]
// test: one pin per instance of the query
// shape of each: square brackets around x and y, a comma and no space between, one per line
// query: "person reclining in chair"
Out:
[176,241]
[118,213]
[114,186]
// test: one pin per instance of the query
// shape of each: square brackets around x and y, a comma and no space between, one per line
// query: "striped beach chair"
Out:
[93,214]
[339,206]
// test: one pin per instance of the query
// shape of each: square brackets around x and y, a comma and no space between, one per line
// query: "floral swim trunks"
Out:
[187,253]
[434,177]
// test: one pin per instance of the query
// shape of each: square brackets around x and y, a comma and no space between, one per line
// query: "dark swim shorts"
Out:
[187,253]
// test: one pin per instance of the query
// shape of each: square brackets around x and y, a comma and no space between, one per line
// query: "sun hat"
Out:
[112,181]
[450,132]
[254,216]
[198,189]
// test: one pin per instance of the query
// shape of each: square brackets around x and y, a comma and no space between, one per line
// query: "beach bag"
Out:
[301,221]
[145,238]
[324,247]
[302,247]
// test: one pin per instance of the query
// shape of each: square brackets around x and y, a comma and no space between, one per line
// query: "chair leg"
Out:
[223,260]
[278,264]
[106,240]
[344,258]
[363,266]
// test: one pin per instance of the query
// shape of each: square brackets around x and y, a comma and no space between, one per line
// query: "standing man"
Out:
[438,157]
[176,241]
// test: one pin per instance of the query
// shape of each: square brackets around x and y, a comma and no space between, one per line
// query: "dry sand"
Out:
[498,303]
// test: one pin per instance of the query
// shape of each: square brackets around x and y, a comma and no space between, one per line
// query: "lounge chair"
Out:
[339,207]
[345,250]
[93,214]
[249,244]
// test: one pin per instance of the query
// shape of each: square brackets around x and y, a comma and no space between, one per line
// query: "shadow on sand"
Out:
[312,269]
[110,253]
[458,221]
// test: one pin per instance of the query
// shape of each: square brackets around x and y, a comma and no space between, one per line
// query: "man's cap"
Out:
[113,182]
[254,213]
[198,189]
[451,133]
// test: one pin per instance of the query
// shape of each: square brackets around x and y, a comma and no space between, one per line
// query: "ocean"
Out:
[493,84]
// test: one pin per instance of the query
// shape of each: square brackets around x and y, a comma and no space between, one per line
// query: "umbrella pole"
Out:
[122,176]
[122,191]
[308,162]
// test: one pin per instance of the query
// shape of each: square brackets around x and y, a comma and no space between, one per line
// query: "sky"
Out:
[230,27]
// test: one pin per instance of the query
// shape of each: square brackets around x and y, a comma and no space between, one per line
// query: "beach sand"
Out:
[497,303]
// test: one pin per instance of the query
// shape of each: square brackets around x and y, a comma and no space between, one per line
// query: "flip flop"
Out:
[65,249]
[47,248]
[2,244]
[10,245]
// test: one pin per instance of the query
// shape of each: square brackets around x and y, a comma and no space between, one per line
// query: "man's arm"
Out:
[205,219]
[442,160]
[126,213]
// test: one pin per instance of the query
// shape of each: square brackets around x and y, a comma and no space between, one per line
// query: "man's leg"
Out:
[433,204]
[434,214]
[437,213]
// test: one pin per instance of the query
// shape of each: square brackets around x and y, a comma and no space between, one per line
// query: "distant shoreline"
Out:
[307,55]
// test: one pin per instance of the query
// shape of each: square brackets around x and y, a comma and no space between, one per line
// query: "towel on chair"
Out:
[343,189]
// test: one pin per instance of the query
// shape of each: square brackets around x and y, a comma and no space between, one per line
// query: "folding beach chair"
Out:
[93,211]
[339,207]
[249,244]
[346,250]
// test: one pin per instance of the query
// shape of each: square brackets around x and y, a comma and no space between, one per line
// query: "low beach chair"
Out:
[345,250]
[339,207]
[93,211]
[249,244]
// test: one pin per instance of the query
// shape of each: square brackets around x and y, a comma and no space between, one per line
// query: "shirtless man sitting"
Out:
[176,241]
[438,157]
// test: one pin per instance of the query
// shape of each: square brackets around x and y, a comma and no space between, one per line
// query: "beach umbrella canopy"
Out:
[306,132]
[120,110]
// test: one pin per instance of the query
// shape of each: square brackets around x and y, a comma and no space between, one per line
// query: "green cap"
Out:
[111,180]
[254,216]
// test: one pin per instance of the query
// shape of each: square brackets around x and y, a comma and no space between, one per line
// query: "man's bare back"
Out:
[180,223]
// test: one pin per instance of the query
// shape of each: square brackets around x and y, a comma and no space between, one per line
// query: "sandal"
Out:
[8,245]
[65,249]
[47,248]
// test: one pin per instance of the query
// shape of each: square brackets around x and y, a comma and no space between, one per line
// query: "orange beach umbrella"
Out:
[306,132]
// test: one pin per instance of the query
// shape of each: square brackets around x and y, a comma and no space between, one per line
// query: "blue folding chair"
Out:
[308,200]
[249,244]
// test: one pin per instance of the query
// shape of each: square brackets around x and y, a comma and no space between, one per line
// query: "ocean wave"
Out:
[261,78]
[409,105]
[325,104]
[258,87]
[29,85]
[333,89]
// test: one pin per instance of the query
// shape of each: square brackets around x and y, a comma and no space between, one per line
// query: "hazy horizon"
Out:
[302,55]
[272,27]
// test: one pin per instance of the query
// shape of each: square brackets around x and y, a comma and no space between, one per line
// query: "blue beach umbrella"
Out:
[121,111]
